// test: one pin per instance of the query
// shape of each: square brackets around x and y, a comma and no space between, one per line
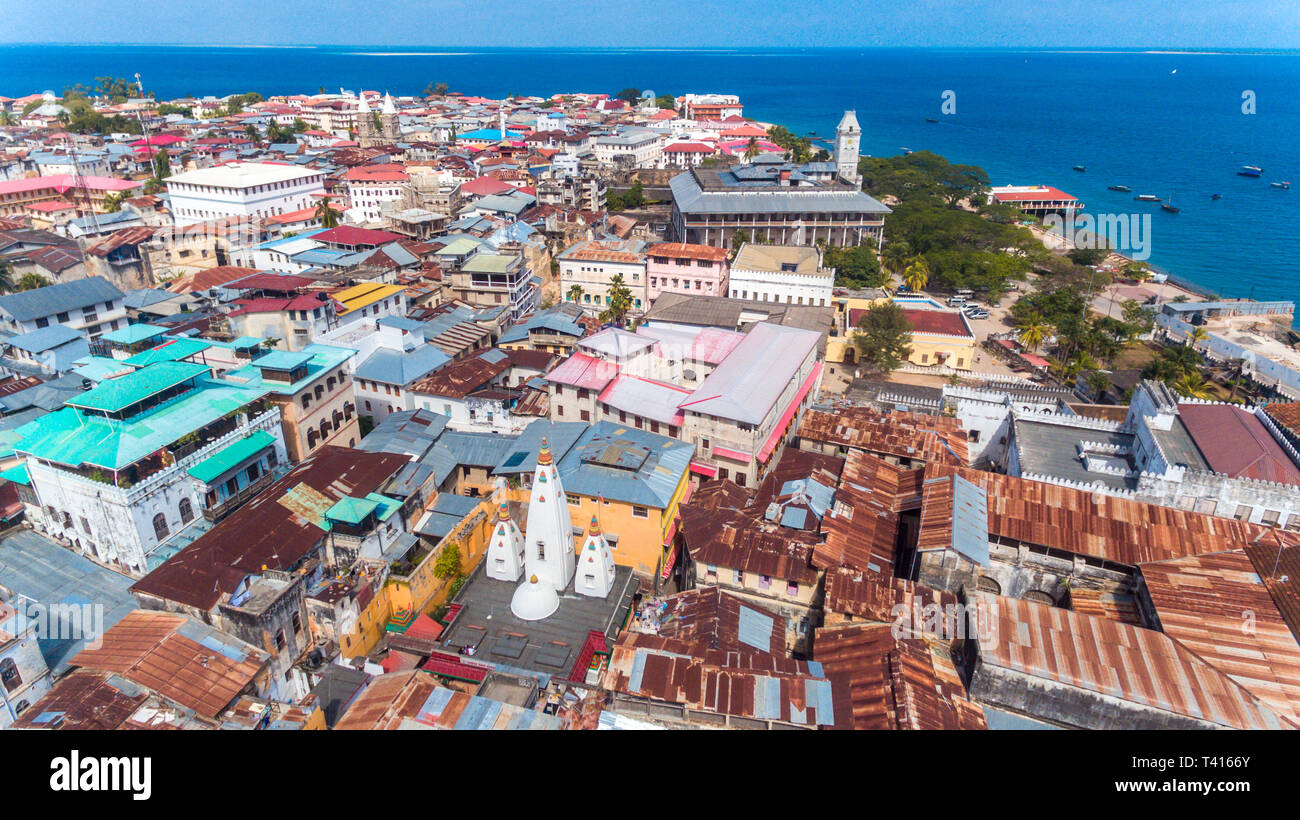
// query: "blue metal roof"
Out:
[591,468]
[970,520]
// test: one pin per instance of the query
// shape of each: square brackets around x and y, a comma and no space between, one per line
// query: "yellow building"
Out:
[372,299]
[939,336]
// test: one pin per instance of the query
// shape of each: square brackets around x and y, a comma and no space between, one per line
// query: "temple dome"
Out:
[534,600]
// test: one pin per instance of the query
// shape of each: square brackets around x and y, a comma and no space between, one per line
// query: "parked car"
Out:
[957,301]
[977,313]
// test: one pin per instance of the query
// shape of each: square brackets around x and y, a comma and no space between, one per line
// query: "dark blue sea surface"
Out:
[1169,124]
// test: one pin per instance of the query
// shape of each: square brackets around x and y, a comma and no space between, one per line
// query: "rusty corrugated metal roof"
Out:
[890,683]
[1113,659]
[1218,607]
[922,438]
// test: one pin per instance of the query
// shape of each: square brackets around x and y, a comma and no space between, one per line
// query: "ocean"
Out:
[1169,124]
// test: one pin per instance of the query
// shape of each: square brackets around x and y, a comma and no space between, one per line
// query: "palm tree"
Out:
[1137,271]
[620,300]
[917,274]
[896,255]
[575,293]
[32,281]
[1193,385]
[1197,336]
[325,215]
[1033,331]
[6,276]
[752,150]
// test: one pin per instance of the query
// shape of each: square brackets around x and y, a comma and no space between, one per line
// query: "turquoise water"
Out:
[1165,124]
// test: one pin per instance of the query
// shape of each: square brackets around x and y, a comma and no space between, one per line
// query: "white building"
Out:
[243,189]
[371,187]
[123,468]
[593,263]
[786,274]
[638,148]
[92,305]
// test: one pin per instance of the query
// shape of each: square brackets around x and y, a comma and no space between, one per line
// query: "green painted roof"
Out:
[489,263]
[98,368]
[246,341]
[387,506]
[117,394]
[231,457]
[170,351]
[70,436]
[282,360]
[17,474]
[131,334]
[351,510]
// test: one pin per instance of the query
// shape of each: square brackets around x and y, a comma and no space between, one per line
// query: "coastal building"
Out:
[678,267]
[243,189]
[1037,200]
[112,469]
[24,675]
[848,136]
[778,273]
[85,193]
[775,201]
[592,264]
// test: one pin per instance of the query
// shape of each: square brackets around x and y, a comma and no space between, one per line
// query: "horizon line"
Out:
[1147,49]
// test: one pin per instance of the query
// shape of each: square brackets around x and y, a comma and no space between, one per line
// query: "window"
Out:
[791,588]
[973,436]
[85,525]
[764,581]
[640,512]
[9,674]
[586,416]
[160,530]
[186,510]
[279,639]
[541,550]
[739,575]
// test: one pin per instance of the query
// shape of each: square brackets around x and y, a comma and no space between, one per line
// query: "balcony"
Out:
[234,502]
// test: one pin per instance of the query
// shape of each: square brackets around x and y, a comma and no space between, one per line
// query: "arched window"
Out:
[329,383]
[1039,597]
[160,530]
[986,584]
[306,402]
[320,391]
[311,439]
[186,511]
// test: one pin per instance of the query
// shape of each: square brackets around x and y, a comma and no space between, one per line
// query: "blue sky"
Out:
[662,23]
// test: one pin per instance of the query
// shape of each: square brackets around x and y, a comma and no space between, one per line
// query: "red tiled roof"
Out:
[352,236]
[1236,443]
[943,322]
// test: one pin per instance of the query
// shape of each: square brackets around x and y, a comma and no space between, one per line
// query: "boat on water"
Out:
[1080,168]
[1169,206]
[1216,196]
[1147,198]
[1280,184]
[930,119]
[1250,171]
[1123,188]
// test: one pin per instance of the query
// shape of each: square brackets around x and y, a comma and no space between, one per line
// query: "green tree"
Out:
[325,215]
[629,95]
[276,133]
[883,337]
[740,237]
[162,165]
[299,125]
[113,202]
[1087,256]
[6,276]
[752,150]
[855,267]
[575,293]
[1198,335]
[271,342]
[448,563]
[1193,385]
[1033,331]
[896,255]
[620,301]
[667,101]
[32,281]
[917,274]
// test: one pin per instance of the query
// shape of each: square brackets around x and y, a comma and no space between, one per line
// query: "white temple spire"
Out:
[505,554]
[595,564]
[548,553]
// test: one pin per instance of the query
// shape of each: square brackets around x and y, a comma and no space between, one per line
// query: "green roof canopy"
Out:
[228,458]
[118,394]
[131,334]
[169,351]
[17,474]
[387,506]
[351,510]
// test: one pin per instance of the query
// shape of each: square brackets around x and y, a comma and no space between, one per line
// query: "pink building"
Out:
[676,267]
